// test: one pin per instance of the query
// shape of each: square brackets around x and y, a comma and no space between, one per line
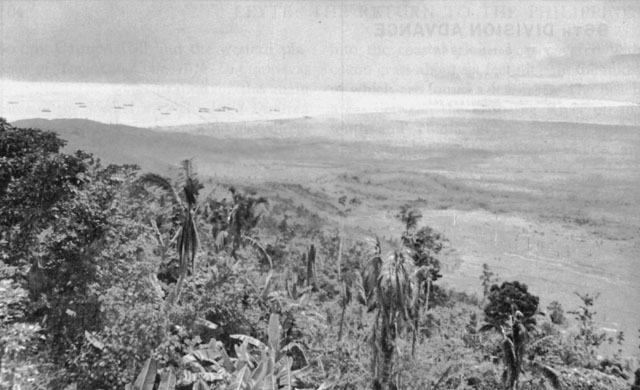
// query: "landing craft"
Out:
[226,108]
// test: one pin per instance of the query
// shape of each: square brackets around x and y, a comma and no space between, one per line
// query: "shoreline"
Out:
[158,106]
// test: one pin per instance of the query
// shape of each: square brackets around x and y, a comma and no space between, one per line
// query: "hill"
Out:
[553,204]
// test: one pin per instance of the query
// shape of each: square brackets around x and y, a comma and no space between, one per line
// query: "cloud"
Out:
[318,44]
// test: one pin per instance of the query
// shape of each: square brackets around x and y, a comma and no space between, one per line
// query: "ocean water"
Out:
[146,105]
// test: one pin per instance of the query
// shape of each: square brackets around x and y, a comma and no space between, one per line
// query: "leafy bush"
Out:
[506,299]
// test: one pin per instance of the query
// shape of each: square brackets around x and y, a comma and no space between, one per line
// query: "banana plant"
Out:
[257,366]
[272,370]
[147,378]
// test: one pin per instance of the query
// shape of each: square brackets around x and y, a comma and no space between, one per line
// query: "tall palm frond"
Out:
[188,242]
[192,185]
[361,294]
[153,179]
[371,273]
[395,283]
[309,259]
[394,293]
[512,370]
[551,375]
[254,243]
[243,217]
[514,341]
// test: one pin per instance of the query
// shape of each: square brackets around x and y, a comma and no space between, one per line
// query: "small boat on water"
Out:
[13,102]
[165,113]
[203,109]
[128,104]
[118,107]
[45,110]
[226,108]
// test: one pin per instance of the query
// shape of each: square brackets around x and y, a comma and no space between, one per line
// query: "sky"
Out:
[572,48]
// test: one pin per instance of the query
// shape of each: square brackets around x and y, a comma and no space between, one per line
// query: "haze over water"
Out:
[146,105]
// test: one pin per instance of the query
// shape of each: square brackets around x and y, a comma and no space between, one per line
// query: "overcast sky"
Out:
[526,47]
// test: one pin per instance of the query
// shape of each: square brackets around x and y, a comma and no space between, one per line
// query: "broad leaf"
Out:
[243,354]
[486,327]
[200,385]
[147,376]
[240,379]
[284,373]
[250,340]
[208,355]
[206,324]
[167,381]
[187,378]
[330,382]
[94,340]
[274,332]
[226,361]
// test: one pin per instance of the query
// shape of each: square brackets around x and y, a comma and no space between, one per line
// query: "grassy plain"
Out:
[553,204]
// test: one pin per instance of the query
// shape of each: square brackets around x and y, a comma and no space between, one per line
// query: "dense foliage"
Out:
[112,278]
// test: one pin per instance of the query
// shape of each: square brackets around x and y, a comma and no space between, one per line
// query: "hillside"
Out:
[338,264]
[552,204]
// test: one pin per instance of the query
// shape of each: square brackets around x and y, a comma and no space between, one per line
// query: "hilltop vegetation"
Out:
[116,278]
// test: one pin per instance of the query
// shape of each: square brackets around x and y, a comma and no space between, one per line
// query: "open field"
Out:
[553,204]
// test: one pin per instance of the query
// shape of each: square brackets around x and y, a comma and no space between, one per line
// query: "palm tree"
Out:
[188,242]
[345,289]
[410,217]
[424,280]
[511,311]
[244,217]
[513,348]
[423,245]
[390,287]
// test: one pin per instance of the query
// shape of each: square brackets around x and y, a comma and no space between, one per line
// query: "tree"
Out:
[424,245]
[389,283]
[636,381]
[58,213]
[590,337]
[409,216]
[188,242]
[556,313]
[488,279]
[34,176]
[511,310]
[242,219]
